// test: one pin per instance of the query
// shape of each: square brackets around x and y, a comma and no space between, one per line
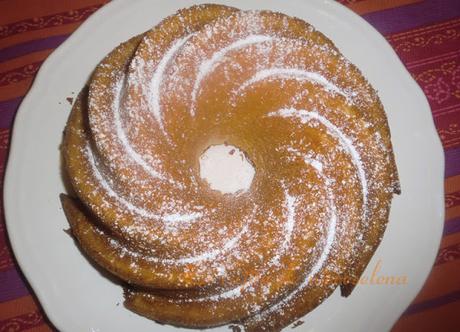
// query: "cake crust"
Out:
[313,127]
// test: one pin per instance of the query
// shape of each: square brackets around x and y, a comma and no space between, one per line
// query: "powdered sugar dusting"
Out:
[124,139]
[331,232]
[129,206]
[208,66]
[207,256]
[306,116]
[295,73]
[290,203]
[155,84]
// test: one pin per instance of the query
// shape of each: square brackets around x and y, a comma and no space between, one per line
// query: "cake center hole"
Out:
[226,169]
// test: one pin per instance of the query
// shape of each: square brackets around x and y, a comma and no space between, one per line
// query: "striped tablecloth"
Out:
[424,33]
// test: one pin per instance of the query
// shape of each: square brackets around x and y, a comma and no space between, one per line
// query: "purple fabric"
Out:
[452,161]
[11,285]
[452,226]
[31,46]
[7,111]
[414,15]
[434,303]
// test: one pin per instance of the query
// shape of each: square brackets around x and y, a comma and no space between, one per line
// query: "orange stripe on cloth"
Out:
[17,307]
[16,75]
[448,253]
[23,322]
[453,212]
[442,319]
[452,197]
[370,6]
[25,60]
[17,10]
[452,184]
[19,74]
[15,90]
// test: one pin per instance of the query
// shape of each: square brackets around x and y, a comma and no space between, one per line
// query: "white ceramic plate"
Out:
[76,297]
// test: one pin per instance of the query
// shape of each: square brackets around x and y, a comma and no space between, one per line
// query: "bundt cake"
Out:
[308,122]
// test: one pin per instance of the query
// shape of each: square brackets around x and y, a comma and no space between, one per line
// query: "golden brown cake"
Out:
[308,121]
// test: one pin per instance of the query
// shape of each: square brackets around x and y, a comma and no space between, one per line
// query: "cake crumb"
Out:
[297,324]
